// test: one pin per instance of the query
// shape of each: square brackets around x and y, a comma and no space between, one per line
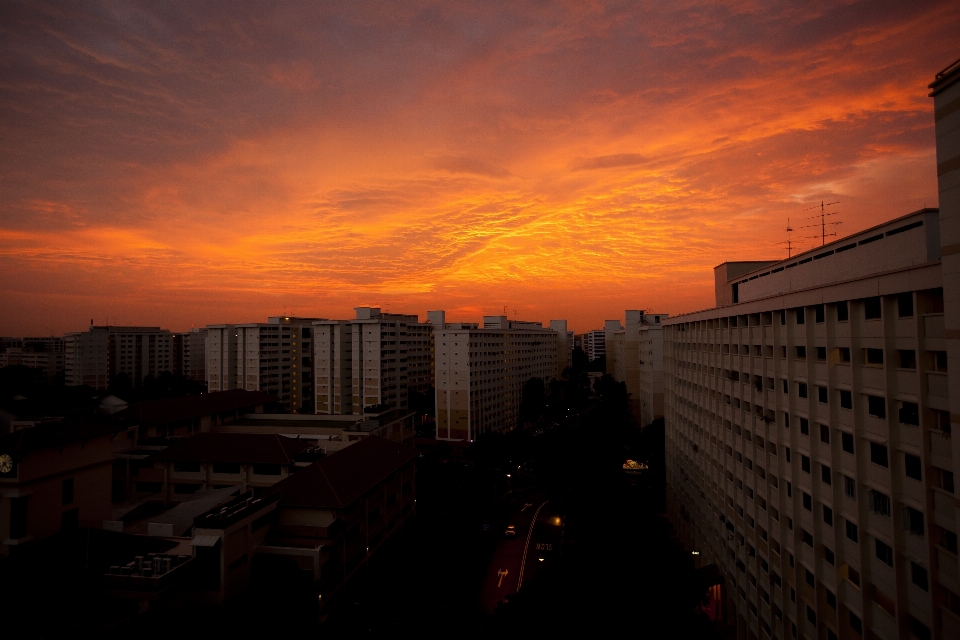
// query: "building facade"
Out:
[374,360]
[190,348]
[809,450]
[481,373]
[94,357]
[275,357]
[635,357]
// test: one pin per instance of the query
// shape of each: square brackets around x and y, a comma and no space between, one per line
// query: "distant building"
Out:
[274,357]
[481,373]
[564,345]
[635,357]
[370,362]
[190,348]
[594,344]
[56,476]
[46,353]
[96,356]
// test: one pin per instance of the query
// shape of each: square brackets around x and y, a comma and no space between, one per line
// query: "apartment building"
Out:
[190,349]
[94,357]
[594,344]
[274,357]
[374,360]
[481,373]
[809,447]
[635,357]
[46,353]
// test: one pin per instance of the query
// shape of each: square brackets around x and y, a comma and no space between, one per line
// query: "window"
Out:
[884,552]
[871,308]
[908,358]
[806,538]
[785,388]
[873,356]
[19,517]
[909,413]
[783,317]
[232,468]
[66,491]
[825,474]
[943,420]
[186,467]
[266,469]
[824,434]
[789,489]
[804,463]
[70,519]
[821,353]
[849,487]
[855,623]
[811,579]
[801,352]
[811,616]
[802,389]
[804,427]
[878,454]
[828,515]
[807,501]
[911,466]
[919,629]
[878,502]
[938,360]
[905,305]
[946,480]
[877,406]
[818,313]
[852,533]
[948,540]
[800,317]
[846,399]
[829,557]
[844,354]
[913,521]
[846,441]
[822,394]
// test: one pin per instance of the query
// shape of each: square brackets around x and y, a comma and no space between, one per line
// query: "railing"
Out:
[933,325]
[941,444]
[937,385]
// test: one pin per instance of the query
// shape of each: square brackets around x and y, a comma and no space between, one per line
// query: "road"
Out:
[516,560]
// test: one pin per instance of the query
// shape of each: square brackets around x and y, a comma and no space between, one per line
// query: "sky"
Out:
[179,164]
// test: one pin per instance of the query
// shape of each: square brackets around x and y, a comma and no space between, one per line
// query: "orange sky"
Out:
[182,165]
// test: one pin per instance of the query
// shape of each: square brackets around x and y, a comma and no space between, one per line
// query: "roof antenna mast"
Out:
[823,219]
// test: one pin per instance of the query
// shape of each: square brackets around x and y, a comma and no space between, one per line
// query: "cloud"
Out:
[607,162]
[182,164]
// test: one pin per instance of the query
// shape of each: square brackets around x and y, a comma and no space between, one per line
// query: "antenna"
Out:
[823,216]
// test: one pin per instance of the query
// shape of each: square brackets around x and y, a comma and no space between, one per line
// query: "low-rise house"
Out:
[218,460]
[56,476]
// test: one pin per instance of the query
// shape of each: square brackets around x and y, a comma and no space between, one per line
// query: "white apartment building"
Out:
[273,357]
[635,357]
[594,344]
[809,421]
[46,353]
[191,349]
[371,361]
[95,356]
[480,373]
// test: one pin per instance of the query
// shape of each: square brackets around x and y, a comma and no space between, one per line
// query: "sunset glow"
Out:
[179,165]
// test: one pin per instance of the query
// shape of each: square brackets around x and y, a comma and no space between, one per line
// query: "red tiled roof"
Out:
[246,448]
[340,478]
[167,410]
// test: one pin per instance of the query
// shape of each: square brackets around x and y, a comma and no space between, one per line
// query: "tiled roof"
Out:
[167,410]
[342,477]
[246,448]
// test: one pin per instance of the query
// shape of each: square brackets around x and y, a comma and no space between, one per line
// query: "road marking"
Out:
[502,573]
[525,505]
[526,547]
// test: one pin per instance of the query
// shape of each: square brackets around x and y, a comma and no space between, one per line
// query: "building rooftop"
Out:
[945,78]
[167,410]
[339,479]
[246,448]
[55,435]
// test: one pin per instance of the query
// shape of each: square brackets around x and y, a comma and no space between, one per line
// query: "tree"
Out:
[533,400]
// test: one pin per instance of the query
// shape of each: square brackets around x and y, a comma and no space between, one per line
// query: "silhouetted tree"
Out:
[533,400]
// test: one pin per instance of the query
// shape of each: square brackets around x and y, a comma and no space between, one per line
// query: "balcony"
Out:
[944,512]
[937,384]
[947,571]
[933,325]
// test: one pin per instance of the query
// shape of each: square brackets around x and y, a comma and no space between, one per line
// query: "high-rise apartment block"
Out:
[190,349]
[274,357]
[635,357]
[481,373]
[594,344]
[809,426]
[44,353]
[94,357]
[374,360]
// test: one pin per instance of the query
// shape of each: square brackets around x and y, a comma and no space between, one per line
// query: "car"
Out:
[510,532]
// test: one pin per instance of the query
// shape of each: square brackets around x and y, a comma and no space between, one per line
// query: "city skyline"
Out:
[183,167]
